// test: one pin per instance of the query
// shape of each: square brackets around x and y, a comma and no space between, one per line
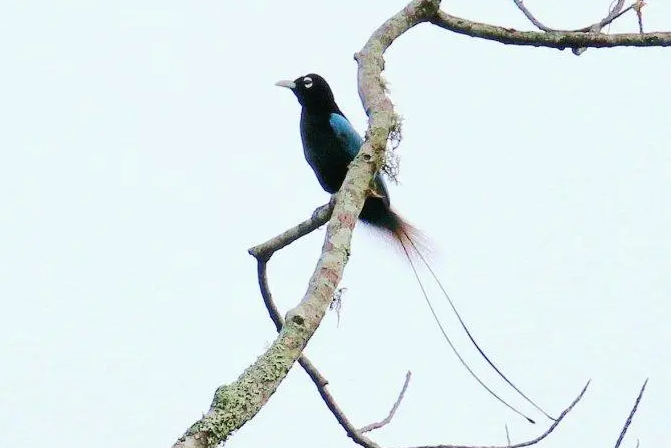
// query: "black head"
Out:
[313,92]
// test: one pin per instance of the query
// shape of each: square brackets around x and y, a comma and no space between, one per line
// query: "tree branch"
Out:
[529,442]
[319,217]
[392,411]
[558,40]
[262,253]
[317,378]
[236,403]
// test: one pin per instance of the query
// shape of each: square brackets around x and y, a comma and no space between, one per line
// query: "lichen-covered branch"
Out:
[317,378]
[559,40]
[378,107]
[236,403]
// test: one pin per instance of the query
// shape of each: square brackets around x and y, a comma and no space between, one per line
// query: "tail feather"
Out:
[413,242]
[470,335]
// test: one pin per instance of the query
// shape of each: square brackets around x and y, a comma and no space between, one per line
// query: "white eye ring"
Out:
[307,82]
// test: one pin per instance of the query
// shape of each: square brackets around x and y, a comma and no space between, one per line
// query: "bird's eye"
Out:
[307,82]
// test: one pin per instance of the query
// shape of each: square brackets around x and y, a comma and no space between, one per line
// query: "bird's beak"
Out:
[288,84]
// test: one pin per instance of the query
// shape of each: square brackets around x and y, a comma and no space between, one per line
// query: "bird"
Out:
[330,143]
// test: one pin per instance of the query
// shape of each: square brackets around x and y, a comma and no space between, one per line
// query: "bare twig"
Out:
[388,418]
[319,217]
[528,442]
[631,416]
[613,14]
[507,436]
[381,117]
[558,40]
[264,251]
[532,19]
[351,431]
[638,7]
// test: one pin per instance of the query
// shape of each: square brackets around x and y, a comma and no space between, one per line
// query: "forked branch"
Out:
[262,253]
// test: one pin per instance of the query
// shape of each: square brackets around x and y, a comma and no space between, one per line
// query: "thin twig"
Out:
[338,413]
[388,418]
[631,416]
[529,442]
[319,217]
[613,14]
[638,7]
[532,19]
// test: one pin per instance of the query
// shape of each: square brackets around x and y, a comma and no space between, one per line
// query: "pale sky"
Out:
[145,149]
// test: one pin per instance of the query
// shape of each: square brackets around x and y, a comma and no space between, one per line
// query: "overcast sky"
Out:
[144,149]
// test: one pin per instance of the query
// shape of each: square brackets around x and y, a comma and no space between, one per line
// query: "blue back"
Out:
[330,143]
[349,138]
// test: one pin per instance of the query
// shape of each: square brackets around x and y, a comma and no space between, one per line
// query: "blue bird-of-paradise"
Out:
[330,143]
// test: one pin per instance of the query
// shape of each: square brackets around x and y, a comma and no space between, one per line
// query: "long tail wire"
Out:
[449,341]
[465,327]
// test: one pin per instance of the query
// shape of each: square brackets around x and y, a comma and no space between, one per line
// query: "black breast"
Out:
[324,152]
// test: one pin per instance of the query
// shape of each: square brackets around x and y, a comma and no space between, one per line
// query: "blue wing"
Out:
[352,142]
[346,134]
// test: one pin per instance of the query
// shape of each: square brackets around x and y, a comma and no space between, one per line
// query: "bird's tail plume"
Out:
[415,245]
